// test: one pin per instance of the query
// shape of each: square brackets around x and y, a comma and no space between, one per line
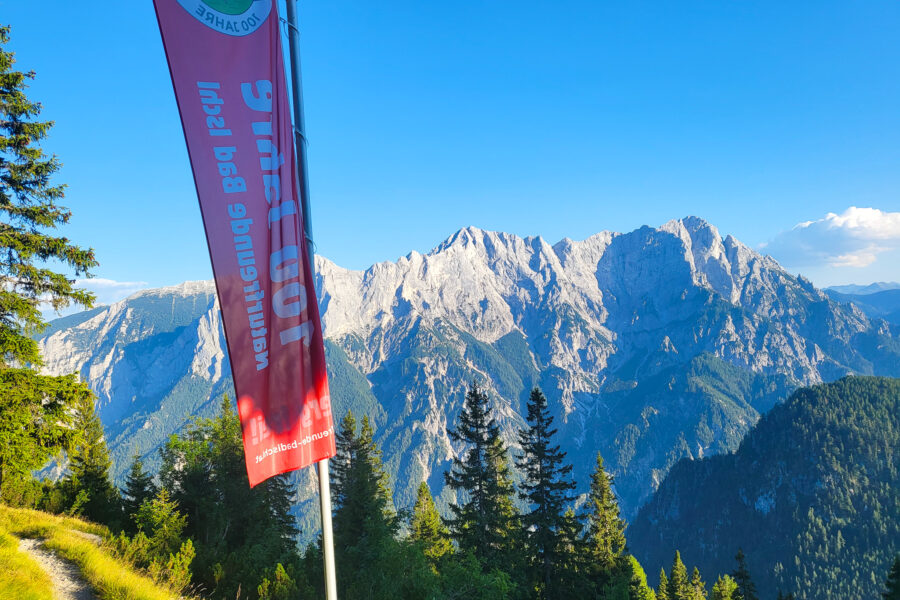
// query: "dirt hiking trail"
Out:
[67,581]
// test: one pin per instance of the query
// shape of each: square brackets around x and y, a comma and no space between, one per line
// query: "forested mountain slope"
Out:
[812,496]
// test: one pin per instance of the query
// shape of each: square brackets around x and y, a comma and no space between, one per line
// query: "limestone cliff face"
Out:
[651,346]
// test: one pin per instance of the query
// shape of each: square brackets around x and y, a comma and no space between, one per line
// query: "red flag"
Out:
[228,73]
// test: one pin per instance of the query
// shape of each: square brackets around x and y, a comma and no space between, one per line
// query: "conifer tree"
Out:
[662,592]
[486,523]
[628,582]
[36,411]
[679,587]
[257,515]
[696,587]
[725,589]
[240,533]
[28,210]
[39,418]
[92,493]
[741,575]
[365,525]
[139,487]
[637,580]
[892,584]
[159,519]
[546,487]
[366,511]
[605,536]
[574,568]
[345,441]
[427,527]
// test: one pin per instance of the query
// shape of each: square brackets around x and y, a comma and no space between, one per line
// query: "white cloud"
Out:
[853,239]
[109,291]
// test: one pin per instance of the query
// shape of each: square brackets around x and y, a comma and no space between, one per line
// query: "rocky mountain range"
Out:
[651,346]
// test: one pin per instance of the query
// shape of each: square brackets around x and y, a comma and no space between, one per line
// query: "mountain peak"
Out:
[463,237]
[694,230]
[695,224]
[476,237]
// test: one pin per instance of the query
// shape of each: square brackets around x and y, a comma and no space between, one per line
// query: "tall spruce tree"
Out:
[139,488]
[36,412]
[28,210]
[486,523]
[427,527]
[679,587]
[741,575]
[604,540]
[88,483]
[892,584]
[378,566]
[546,487]
[339,465]
[662,592]
[365,514]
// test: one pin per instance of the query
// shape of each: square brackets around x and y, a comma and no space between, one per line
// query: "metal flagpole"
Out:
[300,145]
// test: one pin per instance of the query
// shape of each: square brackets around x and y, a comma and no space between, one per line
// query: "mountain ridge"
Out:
[650,345]
[863,290]
[883,304]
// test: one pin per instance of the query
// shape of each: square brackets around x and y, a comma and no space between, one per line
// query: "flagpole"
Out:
[302,172]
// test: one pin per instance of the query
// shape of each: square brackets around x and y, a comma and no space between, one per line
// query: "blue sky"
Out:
[556,119]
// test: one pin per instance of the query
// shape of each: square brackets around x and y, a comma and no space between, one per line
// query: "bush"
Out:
[280,587]
[176,571]
[157,546]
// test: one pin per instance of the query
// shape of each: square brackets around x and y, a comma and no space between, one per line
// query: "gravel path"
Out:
[67,581]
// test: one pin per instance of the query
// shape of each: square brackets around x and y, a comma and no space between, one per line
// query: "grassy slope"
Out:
[110,578]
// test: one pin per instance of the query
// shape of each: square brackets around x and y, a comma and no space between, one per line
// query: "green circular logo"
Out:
[231,17]
[229,7]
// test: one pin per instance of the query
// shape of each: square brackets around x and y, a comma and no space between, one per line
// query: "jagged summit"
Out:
[509,276]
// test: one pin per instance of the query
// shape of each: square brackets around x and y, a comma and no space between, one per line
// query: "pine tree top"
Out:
[427,526]
[662,592]
[486,522]
[605,536]
[546,487]
[28,210]
[741,575]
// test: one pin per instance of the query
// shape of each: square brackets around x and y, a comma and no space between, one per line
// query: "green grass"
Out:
[111,578]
